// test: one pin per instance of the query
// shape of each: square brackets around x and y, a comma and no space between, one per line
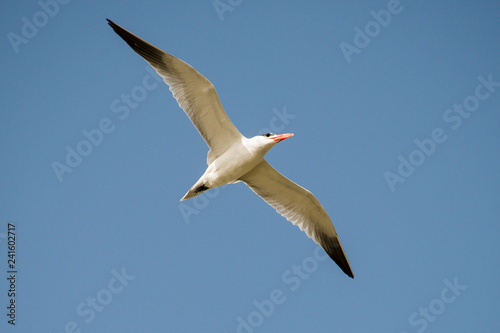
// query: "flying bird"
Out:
[233,157]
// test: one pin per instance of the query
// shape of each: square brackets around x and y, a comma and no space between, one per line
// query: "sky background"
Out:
[205,265]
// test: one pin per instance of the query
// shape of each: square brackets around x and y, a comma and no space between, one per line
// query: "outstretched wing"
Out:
[194,93]
[298,206]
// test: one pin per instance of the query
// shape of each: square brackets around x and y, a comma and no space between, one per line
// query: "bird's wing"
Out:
[194,93]
[298,206]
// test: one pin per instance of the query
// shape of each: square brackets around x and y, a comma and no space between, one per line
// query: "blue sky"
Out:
[395,114]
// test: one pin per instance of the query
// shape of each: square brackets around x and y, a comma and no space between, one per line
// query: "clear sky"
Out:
[395,107]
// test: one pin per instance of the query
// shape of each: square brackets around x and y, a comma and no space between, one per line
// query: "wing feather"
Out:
[193,92]
[298,206]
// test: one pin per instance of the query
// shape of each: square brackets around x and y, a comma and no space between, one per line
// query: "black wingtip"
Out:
[119,30]
[115,26]
[149,52]
[335,251]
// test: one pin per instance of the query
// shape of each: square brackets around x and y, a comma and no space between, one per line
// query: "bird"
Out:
[233,157]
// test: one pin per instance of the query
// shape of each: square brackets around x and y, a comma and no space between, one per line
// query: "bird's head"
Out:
[267,140]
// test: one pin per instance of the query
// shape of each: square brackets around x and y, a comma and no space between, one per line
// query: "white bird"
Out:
[233,157]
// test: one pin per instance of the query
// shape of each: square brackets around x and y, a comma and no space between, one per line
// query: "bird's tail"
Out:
[197,189]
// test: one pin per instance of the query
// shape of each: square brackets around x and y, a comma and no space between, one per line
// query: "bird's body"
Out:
[233,157]
[241,157]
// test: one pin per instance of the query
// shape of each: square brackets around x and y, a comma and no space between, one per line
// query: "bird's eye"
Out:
[267,134]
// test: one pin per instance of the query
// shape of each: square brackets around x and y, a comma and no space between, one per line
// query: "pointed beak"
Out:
[282,137]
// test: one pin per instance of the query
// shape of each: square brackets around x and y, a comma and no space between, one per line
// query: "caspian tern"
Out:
[232,157]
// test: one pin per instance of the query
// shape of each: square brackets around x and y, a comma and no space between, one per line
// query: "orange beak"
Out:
[282,137]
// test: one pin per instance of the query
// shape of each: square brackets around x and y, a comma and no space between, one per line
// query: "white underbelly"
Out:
[230,166]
